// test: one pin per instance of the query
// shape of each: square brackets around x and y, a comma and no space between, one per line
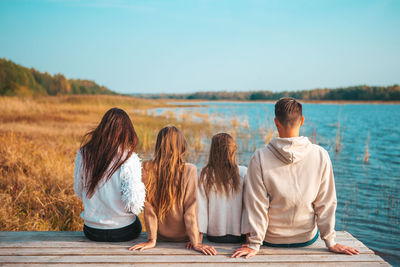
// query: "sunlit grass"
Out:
[39,139]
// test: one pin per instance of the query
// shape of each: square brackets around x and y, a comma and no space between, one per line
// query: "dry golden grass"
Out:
[39,138]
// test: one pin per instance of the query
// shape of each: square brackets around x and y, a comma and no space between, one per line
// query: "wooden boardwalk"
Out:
[72,248]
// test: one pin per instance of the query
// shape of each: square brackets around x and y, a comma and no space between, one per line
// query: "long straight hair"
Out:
[107,147]
[165,182]
[221,171]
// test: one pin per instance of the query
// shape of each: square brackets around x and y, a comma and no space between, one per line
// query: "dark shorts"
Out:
[293,245]
[126,233]
[227,239]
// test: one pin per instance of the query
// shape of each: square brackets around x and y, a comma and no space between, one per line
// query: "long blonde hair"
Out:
[221,171]
[165,183]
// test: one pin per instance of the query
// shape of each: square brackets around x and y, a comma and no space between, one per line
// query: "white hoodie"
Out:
[290,191]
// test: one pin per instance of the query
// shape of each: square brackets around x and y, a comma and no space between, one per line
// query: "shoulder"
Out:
[132,164]
[146,168]
[260,153]
[242,170]
[78,155]
[133,159]
[189,167]
[146,165]
[190,173]
[78,159]
[263,151]
[321,152]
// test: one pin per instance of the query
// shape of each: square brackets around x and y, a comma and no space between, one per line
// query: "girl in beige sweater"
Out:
[170,211]
[221,212]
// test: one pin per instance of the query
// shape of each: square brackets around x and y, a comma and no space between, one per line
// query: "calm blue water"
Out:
[368,192]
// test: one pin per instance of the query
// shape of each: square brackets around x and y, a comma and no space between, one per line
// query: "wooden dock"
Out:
[72,248]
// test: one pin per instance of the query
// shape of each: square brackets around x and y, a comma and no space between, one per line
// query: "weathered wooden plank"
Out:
[135,258]
[14,238]
[77,240]
[125,251]
[88,243]
[22,236]
[253,264]
[72,248]
[169,248]
[161,249]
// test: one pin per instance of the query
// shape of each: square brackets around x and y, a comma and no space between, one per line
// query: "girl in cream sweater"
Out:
[221,212]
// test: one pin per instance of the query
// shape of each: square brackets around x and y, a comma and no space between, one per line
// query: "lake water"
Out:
[363,141]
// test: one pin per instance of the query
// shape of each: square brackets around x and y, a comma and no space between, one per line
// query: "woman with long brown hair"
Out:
[108,179]
[170,211]
[221,213]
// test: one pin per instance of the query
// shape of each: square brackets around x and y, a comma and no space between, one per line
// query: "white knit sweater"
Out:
[115,202]
[221,215]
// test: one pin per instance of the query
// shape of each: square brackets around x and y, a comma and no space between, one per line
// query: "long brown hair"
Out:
[164,182]
[107,147]
[221,171]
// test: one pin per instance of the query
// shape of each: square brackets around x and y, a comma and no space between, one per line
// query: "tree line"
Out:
[18,80]
[352,93]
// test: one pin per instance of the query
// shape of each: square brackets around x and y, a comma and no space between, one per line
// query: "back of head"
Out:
[107,147]
[221,171]
[165,181]
[288,111]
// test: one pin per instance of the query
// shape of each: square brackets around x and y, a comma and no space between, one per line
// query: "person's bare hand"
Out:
[205,249]
[143,246]
[244,251]
[342,249]
[189,245]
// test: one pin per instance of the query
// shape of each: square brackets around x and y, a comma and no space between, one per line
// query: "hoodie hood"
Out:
[290,150]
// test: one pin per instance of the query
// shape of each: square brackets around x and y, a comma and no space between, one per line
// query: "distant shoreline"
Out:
[344,102]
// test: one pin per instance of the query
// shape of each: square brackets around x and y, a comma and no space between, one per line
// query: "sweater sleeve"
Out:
[151,221]
[190,206]
[133,192]
[202,200]
[256,202]
[150,214]
[325,204]
[78,183]
[244,225]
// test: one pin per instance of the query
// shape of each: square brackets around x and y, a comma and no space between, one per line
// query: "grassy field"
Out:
[39,138]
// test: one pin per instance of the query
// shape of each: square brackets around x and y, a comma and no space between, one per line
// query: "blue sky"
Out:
[186,46]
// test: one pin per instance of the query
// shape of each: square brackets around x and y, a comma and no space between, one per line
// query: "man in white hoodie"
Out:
[290,192]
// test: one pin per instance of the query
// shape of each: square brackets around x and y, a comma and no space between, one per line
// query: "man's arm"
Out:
[325,208]
[325,204]
[256,203]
